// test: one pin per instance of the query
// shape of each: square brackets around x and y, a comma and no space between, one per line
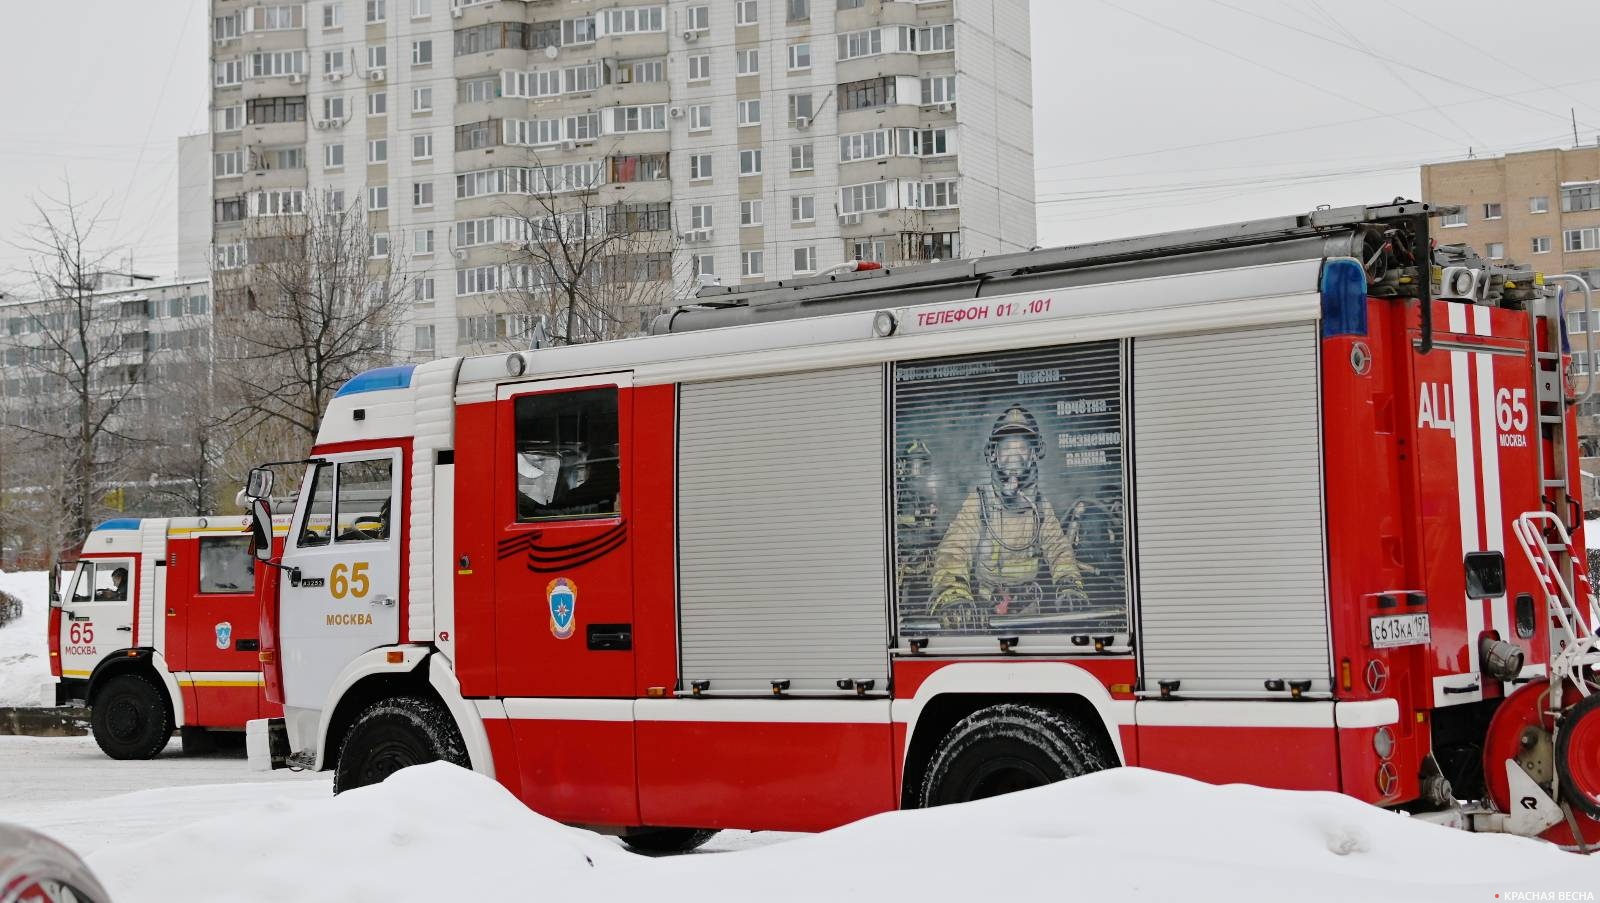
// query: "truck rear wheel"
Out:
[657,841]
[1005,748]
[396,733]
[130,719]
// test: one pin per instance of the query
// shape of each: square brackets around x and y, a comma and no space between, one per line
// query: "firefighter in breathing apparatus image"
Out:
[1005,552]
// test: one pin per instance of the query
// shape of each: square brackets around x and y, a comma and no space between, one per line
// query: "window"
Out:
[1541,244]
[749,213]
[275,64]
[378,197]
[421,53]
[939,89]
[700,117]
[1451,220]
[277,18]
[1577,321]
[746,12]
[923,142]
[102,581]
[1539,204]
[705,265]
[229,72]
[421,100]
[477,281]
[851,4]
[802,209]
[277,202]
[335,199]
[422,288]
[478,90]
[800,108]
[1491,211]
[1497,250]
[929,39]
[750,263]
[264,110]
[700,216]
[863,198]
[333,107]
[697,18]
[700,166]
[314,529]
[802,158]
[1486,575]
[378,56]
[332,156]
[747,62]
[652,118]
[700,67]
[477,135]
[422,147]
[749,163]
[805,259]
[363,512]
[636,20]
[424,339]
[421,9]
[422,239]
[578,31]
[378,151]
[567,454]
[1580,197]
[933,195]
[230,119]
[377,10]
[864,145]
[333,61]
[1581,239]
[380,244]
[227,164]
[225,28]
[332,15]
[422,194]
[378,104]
[750,112]
[856,44]
[871,92]
[799,10]
[799,56]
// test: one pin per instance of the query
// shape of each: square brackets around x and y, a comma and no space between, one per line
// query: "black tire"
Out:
[1578,760]
[130,718]
[396,733]
[197,741]
[1004,748]
[662,841]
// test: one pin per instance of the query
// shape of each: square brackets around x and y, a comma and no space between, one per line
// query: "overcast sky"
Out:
[1150,114]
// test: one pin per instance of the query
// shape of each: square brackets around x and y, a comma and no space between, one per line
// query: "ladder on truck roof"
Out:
[1356,231]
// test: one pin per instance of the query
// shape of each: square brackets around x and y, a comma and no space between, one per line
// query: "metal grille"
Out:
[1229,505]
[1009,493]
[781,541]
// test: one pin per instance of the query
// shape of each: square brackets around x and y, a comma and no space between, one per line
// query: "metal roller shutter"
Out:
[781,534]
[1227,468]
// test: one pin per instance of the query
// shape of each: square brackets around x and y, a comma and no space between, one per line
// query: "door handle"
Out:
[73,617]
[610,637]
[385,601]
[126,628]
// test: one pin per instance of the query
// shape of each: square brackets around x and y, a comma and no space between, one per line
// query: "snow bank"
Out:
[24,662]
[438,832]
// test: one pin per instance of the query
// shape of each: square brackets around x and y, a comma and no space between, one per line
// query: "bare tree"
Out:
[585,269]
[83,358]
[319,301]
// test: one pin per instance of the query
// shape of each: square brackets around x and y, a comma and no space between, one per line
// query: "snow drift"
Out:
[24,661]
[439,832]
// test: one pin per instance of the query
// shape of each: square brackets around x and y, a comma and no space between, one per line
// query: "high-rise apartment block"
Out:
[762,139]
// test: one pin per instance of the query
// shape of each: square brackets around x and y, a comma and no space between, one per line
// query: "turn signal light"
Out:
[394,658]
[266,658]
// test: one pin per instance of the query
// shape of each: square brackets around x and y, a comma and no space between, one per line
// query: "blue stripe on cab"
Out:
[378,380]
[121,523]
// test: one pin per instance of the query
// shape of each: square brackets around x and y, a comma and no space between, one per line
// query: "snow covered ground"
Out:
[24,665]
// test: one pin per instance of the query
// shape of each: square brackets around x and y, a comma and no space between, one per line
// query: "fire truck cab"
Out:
[154,629]
[1289,502]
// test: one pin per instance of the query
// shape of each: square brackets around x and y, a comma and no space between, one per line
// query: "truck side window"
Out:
[1486,575]
[316,528]
[111,581]
[83,586]
[567,455]
[364,504]
[226,565]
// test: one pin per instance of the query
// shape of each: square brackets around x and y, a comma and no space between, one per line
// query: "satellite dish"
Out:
[552,51]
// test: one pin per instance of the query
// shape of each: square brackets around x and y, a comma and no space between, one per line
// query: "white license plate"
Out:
[1389,631]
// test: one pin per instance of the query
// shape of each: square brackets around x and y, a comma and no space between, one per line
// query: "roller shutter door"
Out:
[782,559]
[1227,469]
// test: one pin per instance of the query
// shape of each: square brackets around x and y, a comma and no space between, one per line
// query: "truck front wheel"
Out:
[1004,748]
[659,841]
[130,719]
[396,733]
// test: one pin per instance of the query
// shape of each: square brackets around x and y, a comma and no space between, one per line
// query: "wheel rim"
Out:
[1583,755]
[125,719]
[387,758]
[1004,775]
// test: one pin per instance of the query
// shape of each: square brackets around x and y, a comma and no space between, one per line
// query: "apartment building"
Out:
[757,140]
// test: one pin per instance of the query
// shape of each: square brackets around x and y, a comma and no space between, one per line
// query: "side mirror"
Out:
[55,585]
[261,526]
[259,485]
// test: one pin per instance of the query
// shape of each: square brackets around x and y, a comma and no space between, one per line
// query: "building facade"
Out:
[756,139]
[1540,208]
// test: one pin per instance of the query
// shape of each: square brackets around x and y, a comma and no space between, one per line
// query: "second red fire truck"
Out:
[1290,502]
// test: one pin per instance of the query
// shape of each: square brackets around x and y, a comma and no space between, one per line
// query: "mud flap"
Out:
[266,744]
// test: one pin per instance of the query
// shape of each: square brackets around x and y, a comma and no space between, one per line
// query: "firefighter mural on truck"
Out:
[1008,493]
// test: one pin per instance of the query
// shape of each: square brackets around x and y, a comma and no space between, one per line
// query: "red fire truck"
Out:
[157,630]
[1289,502]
